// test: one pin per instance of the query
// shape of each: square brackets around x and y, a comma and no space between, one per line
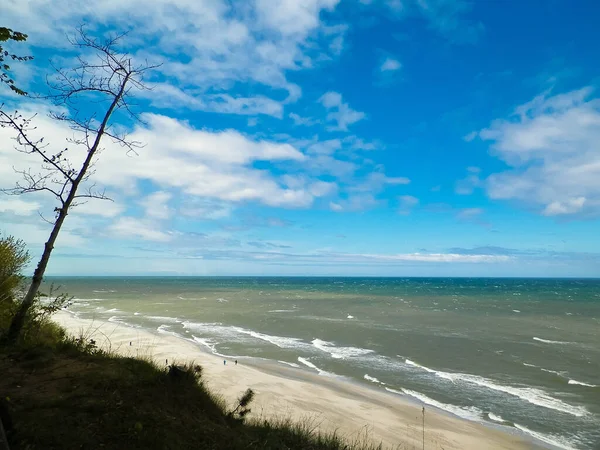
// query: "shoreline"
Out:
[331,404]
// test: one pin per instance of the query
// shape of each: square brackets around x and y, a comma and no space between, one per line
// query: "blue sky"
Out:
[331,137]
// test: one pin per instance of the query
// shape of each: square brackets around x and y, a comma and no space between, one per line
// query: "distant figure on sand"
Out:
[224,361]
[236,362]
[167,362]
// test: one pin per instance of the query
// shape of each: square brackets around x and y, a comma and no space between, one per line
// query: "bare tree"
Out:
[101,83]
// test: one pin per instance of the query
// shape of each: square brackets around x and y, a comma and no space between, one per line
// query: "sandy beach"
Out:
[329,403]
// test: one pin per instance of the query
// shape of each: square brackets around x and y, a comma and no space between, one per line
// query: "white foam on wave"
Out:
[556,372]
[118,320]
[164,319]
[529,394]
[282,310]
[516,310]
[529,365]
[164,329]
[556,441]
[582,383]
[467,412]
[112,310]
[233,332]
[548,341]
[495,418]
[350,317]
[279,341]
[339,352]
[372,379]
[208,343]
[289,363]
[307,363]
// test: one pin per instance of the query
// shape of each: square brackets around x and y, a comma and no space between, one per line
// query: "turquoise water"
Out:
[522,353]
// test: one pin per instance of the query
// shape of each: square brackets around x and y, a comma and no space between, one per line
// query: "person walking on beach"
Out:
[236,362]
[224,362]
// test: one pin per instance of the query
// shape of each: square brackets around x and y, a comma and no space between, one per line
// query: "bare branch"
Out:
[30,146]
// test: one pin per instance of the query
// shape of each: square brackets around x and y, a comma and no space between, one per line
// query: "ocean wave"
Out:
[466,412]
[279,341]
[496,418]
[529,394]
[289,363]
[339,352]
[350,317]
[233,332]
[282,310]
[555,372]
[557,441]
[112,310]
[529,365]
[163,329]
[208,343]
[98,291]
[307,363]
[548,341]
[582,383]
[164,319]
[118,320]
[372,379]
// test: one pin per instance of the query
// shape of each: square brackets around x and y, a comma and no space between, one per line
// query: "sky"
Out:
[327,137]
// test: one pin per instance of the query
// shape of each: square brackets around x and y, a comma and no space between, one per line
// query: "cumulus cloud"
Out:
[339,113]
[551,144]
[390,65]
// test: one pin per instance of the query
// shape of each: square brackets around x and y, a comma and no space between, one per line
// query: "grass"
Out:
[58,392]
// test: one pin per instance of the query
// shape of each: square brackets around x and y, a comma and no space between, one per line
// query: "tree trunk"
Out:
[19,319]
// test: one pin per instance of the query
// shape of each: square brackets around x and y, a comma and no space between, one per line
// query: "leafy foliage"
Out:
[13,259]
[6,34]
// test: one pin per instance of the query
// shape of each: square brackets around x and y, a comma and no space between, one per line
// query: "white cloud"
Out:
[430,257]
[339,112]
[335,206]
[303,121]
[18,206]
[469,213]
[95,207]
[407,203]
[156,205]
[390,65]
[467,185]
[130,227]
[164,95]
[222,42]
[469,137]
[552,146]
[198,163]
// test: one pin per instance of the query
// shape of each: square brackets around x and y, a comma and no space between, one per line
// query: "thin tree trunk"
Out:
[19,319]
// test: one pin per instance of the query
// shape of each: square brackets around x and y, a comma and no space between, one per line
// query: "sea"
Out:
[521,353]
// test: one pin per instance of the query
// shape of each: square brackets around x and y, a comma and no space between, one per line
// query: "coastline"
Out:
[359,413]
